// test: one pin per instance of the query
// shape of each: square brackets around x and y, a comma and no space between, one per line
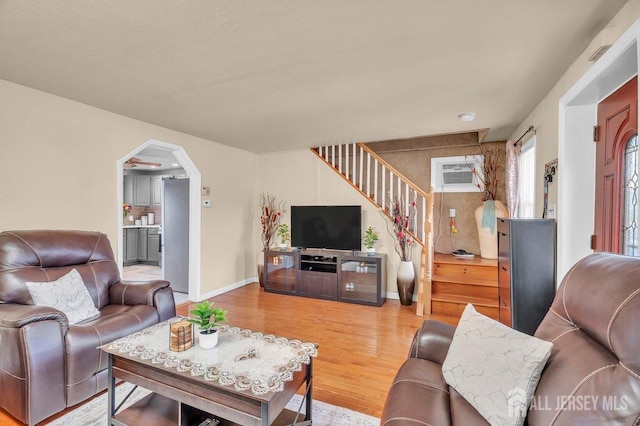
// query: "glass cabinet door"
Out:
[359,280]
[280,272]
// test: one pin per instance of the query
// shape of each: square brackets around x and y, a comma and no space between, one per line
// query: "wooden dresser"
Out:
[457,282]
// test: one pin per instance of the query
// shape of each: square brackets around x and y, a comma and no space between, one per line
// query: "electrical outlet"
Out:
[452,212]
[551,211]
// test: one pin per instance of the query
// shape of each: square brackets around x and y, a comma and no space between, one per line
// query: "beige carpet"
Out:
[94,412]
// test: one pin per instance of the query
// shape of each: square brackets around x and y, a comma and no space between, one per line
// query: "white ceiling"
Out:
[288,74]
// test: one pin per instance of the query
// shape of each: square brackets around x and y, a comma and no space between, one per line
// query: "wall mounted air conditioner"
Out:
[454,174]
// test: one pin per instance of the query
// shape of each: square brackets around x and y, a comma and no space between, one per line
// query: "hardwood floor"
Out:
[360,347]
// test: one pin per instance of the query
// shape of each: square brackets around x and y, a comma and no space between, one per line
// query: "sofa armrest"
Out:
[135,292]
[155,293]
[32,361]
[13,315]
[432,341]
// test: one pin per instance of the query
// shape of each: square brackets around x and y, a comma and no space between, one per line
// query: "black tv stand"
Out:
[341,275]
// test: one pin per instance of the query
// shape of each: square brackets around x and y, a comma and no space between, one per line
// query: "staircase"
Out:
[377,181]
[453,283]
[382,184]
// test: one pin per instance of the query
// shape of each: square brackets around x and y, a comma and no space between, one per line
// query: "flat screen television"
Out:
[328,227]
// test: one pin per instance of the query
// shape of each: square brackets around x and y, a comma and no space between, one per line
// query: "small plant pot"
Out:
[283,246]
[371,251]
[208,339]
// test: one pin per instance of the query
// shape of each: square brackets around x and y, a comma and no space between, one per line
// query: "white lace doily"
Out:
[242,358]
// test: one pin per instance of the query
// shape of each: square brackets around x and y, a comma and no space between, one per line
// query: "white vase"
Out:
[208,340]
[282,246]
[371,251]
[406,282]
[487,227]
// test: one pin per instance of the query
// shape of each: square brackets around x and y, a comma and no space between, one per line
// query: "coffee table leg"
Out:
[309,381]
[111,392]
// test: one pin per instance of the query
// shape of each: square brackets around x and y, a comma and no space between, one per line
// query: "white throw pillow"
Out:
[494,367]
[67,294]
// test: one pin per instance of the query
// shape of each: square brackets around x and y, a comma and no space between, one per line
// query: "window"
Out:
[527,179]
[630,197]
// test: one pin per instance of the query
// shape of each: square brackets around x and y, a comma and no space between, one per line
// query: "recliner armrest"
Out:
[432,341]
[14,315]
[136,293]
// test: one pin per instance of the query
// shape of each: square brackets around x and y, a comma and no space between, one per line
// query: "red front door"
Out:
[617,123]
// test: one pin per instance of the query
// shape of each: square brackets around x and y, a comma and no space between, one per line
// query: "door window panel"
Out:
[630,193]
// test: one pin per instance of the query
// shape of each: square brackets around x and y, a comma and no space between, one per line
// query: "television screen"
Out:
[330,227]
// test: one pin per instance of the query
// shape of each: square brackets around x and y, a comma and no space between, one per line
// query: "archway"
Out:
[195,181]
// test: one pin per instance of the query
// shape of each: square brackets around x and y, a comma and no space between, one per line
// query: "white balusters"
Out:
[423,216]
[378,182]
[368,174]
[375,181]
[361,160]
[384,181]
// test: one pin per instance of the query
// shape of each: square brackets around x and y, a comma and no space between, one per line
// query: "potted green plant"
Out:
[284,235]
[370,239]
[206,317]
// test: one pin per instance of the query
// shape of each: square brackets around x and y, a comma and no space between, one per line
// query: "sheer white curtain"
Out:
[527,179]
[511,178]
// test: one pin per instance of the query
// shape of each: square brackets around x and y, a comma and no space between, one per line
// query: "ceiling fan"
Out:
[135,162]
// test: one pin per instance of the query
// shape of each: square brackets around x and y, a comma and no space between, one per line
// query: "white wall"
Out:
[573,189]
[544,117]
[300,178]
[58,170]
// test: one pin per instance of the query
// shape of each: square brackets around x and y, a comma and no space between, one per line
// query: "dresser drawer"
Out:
[503,247]
[503,225]
[504,275]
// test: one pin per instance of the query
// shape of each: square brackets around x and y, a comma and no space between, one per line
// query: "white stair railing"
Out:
[378,181]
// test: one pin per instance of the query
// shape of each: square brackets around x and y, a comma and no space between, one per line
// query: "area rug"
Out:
[94,412]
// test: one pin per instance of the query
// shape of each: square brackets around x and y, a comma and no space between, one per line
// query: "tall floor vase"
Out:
[261,268]
[261,275]
[406,282]
[486,216]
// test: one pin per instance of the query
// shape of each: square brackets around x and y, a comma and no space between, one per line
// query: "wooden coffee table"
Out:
[188,390]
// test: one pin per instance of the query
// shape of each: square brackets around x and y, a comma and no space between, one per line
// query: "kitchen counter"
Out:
[140,226]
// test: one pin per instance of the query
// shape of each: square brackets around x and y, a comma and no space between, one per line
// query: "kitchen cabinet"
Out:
[131,236]
[128,189]
[142,190]
[141,245]
[156,191]
[153,246]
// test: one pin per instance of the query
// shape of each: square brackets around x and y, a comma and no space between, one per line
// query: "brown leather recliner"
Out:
[591,378]
[46,364]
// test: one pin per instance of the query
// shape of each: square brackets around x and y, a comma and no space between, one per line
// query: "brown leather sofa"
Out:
[46,364]
[591,378]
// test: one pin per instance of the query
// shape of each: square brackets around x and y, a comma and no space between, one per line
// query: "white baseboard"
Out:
[250,280]
[395,296]
[228,288]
